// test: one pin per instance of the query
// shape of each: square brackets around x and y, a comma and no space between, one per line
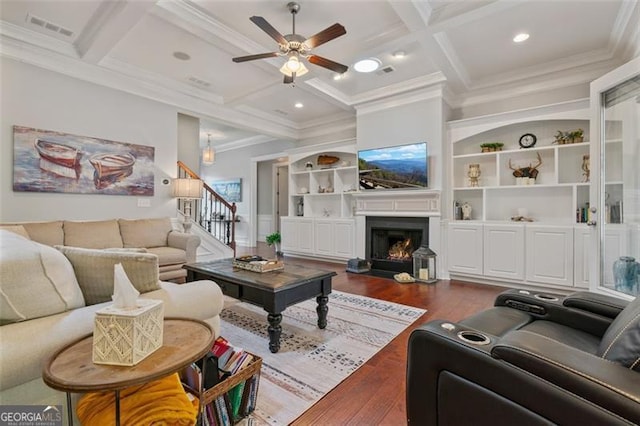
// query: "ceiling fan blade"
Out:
[289,79]
[253,57]
[328,64]
[328,34]
[267,28]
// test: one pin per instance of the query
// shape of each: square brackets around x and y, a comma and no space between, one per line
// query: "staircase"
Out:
[211,213]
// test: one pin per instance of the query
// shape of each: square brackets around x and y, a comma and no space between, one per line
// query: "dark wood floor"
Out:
[375,393]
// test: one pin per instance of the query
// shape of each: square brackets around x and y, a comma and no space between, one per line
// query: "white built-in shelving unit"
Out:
[326,227]
[552,251]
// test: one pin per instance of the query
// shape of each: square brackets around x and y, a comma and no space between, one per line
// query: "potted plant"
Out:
[274,239]
[577,136]
[492,146]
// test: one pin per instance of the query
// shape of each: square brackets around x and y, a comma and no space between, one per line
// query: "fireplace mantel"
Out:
[397,203]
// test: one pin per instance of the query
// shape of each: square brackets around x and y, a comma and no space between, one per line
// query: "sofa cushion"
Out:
[93,234]
[36,280]
[94,271]
[145,232]
[49,233]
[169,255]
[16,229]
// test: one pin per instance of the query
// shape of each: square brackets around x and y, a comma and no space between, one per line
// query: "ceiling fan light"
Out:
[293,64]
[302,70]
[367,65]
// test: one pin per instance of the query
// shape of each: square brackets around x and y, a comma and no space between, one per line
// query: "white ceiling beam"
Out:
[109,24]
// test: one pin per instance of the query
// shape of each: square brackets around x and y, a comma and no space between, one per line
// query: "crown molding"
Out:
[587,60]
[393,90]
[348,143]
[197,18]
[159,80]
[243,143]
[435,92]
[28,37]
[328,128]
[84,71]
[579,106]
[449,52]
[623,19]
[541,84]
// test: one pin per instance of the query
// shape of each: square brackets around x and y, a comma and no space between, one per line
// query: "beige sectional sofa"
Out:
[157,236]
[49,296]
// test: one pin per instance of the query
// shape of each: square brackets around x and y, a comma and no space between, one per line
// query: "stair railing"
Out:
[212,212]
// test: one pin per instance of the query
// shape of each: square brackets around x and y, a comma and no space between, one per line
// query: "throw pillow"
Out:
[145,232]
[37,280]
[93,234]
[94,271]
[16,229]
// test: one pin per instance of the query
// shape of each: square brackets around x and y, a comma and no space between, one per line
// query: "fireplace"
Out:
[390,242]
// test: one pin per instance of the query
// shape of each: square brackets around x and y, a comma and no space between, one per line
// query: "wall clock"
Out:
[528,140]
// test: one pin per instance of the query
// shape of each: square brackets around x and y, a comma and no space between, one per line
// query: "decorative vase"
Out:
[474,175]
[625,275]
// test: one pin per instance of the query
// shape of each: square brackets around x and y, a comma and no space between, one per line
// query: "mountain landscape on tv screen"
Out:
[381,174]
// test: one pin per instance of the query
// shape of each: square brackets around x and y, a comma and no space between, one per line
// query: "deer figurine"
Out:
[530,172]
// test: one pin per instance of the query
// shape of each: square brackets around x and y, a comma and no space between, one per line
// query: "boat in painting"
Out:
[112,165]
[58,153]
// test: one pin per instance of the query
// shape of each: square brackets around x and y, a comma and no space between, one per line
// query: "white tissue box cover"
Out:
[127,336]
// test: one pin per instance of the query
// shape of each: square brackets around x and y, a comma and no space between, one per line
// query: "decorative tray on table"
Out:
[257,264]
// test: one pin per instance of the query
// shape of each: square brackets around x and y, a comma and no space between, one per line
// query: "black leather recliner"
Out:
[533,359]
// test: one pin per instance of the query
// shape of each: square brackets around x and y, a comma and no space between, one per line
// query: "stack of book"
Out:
[230,359]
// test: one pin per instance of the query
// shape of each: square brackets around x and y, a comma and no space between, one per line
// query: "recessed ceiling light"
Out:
[298,105]
[367,65]
[399,54]
[521,37]
[182,56]
[337,77]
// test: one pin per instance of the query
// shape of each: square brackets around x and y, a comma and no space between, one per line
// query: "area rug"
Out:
[311,361]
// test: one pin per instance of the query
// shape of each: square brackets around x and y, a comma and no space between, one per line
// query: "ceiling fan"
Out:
[295,46]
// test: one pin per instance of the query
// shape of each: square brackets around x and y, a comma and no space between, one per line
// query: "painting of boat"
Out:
[58,153]
[107,164]
[52,161]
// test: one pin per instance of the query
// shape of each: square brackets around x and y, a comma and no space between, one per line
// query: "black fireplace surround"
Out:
[383,232]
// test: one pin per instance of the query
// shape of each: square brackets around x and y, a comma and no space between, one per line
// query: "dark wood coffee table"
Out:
[274,291]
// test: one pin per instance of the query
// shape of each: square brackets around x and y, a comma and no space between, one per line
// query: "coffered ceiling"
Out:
[140,46]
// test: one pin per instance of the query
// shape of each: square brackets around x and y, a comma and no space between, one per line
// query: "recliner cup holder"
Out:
[547,297]
[473,337]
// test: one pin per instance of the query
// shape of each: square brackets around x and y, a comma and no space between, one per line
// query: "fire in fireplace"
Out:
[401,250]
[390,242]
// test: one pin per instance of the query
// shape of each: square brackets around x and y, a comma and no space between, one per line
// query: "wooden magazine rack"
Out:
[218,399]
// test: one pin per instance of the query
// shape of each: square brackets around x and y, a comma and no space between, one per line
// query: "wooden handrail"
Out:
[211,212]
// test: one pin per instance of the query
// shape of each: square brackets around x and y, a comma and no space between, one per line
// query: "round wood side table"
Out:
[72,370]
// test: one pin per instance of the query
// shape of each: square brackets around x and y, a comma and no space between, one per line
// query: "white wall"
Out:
[265,187]
[38,98]
[189,141]
[420,121]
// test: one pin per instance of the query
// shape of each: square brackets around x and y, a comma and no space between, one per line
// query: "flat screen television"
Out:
[395,167]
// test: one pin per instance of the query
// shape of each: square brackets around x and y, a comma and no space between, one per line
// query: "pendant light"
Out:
[208,154]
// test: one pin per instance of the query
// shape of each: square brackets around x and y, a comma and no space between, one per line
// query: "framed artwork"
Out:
[49,161]
[230,190]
